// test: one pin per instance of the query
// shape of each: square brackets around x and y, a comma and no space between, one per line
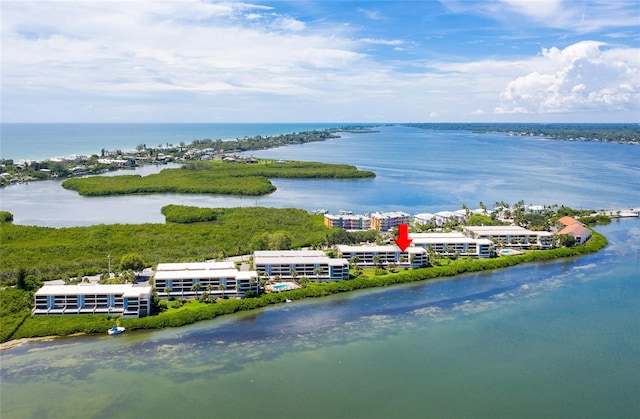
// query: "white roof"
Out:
[378,249]
[450,240]
[445,214]
[288,253]
[392,214]
[300,261]
[200,274]
[436,235]
[424,216]
[127,290]
[506,230]
[195,266]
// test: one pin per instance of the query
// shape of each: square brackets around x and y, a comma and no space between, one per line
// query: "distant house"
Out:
[572,227]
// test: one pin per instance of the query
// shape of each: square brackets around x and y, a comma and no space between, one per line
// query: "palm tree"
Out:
[195,287]
[377,261]
[317,271]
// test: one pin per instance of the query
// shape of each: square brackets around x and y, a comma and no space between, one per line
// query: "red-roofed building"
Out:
[576,229]
[567,221]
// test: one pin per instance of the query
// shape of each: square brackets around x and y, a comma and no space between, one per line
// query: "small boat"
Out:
[116,330]
[288,300]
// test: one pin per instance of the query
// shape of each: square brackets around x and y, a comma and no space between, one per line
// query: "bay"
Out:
[552,339]
[416,171]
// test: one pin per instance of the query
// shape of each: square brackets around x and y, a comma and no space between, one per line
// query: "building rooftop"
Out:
[195,266]
[288,253]
[294,260]
[373,249]
[128,290]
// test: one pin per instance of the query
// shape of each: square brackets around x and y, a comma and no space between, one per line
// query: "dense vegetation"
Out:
[51,253]
[187,214]
[619,133]
[22,325]
[215,177]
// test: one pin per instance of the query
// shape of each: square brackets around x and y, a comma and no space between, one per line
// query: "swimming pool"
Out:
[281,287]
[508,252]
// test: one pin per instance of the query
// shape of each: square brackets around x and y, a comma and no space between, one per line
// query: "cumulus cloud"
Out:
[582,76]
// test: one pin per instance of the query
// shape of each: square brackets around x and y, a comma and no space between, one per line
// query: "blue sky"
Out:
[321,61]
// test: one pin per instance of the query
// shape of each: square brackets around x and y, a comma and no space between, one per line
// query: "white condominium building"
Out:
[190,280]
[383,256]
[125,300]
[454,243]
[511,236]
[294,264]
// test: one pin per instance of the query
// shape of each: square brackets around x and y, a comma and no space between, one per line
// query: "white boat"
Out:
[288,300]
[116,330]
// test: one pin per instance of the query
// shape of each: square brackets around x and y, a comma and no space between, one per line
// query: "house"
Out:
[383,256]
[125,300]
[572,227]
[293,264]
[191,280]
[454,244]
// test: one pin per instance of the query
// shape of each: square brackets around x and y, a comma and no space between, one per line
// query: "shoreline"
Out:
[201,311]
[21,341]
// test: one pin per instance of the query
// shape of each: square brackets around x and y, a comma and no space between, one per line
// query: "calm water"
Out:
[558,339]
[417,171]
[554,339]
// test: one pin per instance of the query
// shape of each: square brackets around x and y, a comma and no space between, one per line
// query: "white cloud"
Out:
[582,76]
[390,42]
[193,60]
[568,15]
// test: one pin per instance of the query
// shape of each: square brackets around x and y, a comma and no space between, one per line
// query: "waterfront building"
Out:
[191,280]
[348,221]
[511,236]
[385,221]
[383,256]
[454,244]
[424,218]
[572,227]
[125,300]
[293,264]
[443,217]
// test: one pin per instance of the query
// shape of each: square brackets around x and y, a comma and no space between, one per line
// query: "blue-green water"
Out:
[556,339]
[416,171]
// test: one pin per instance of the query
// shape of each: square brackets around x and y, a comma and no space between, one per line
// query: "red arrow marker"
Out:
[403,241]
